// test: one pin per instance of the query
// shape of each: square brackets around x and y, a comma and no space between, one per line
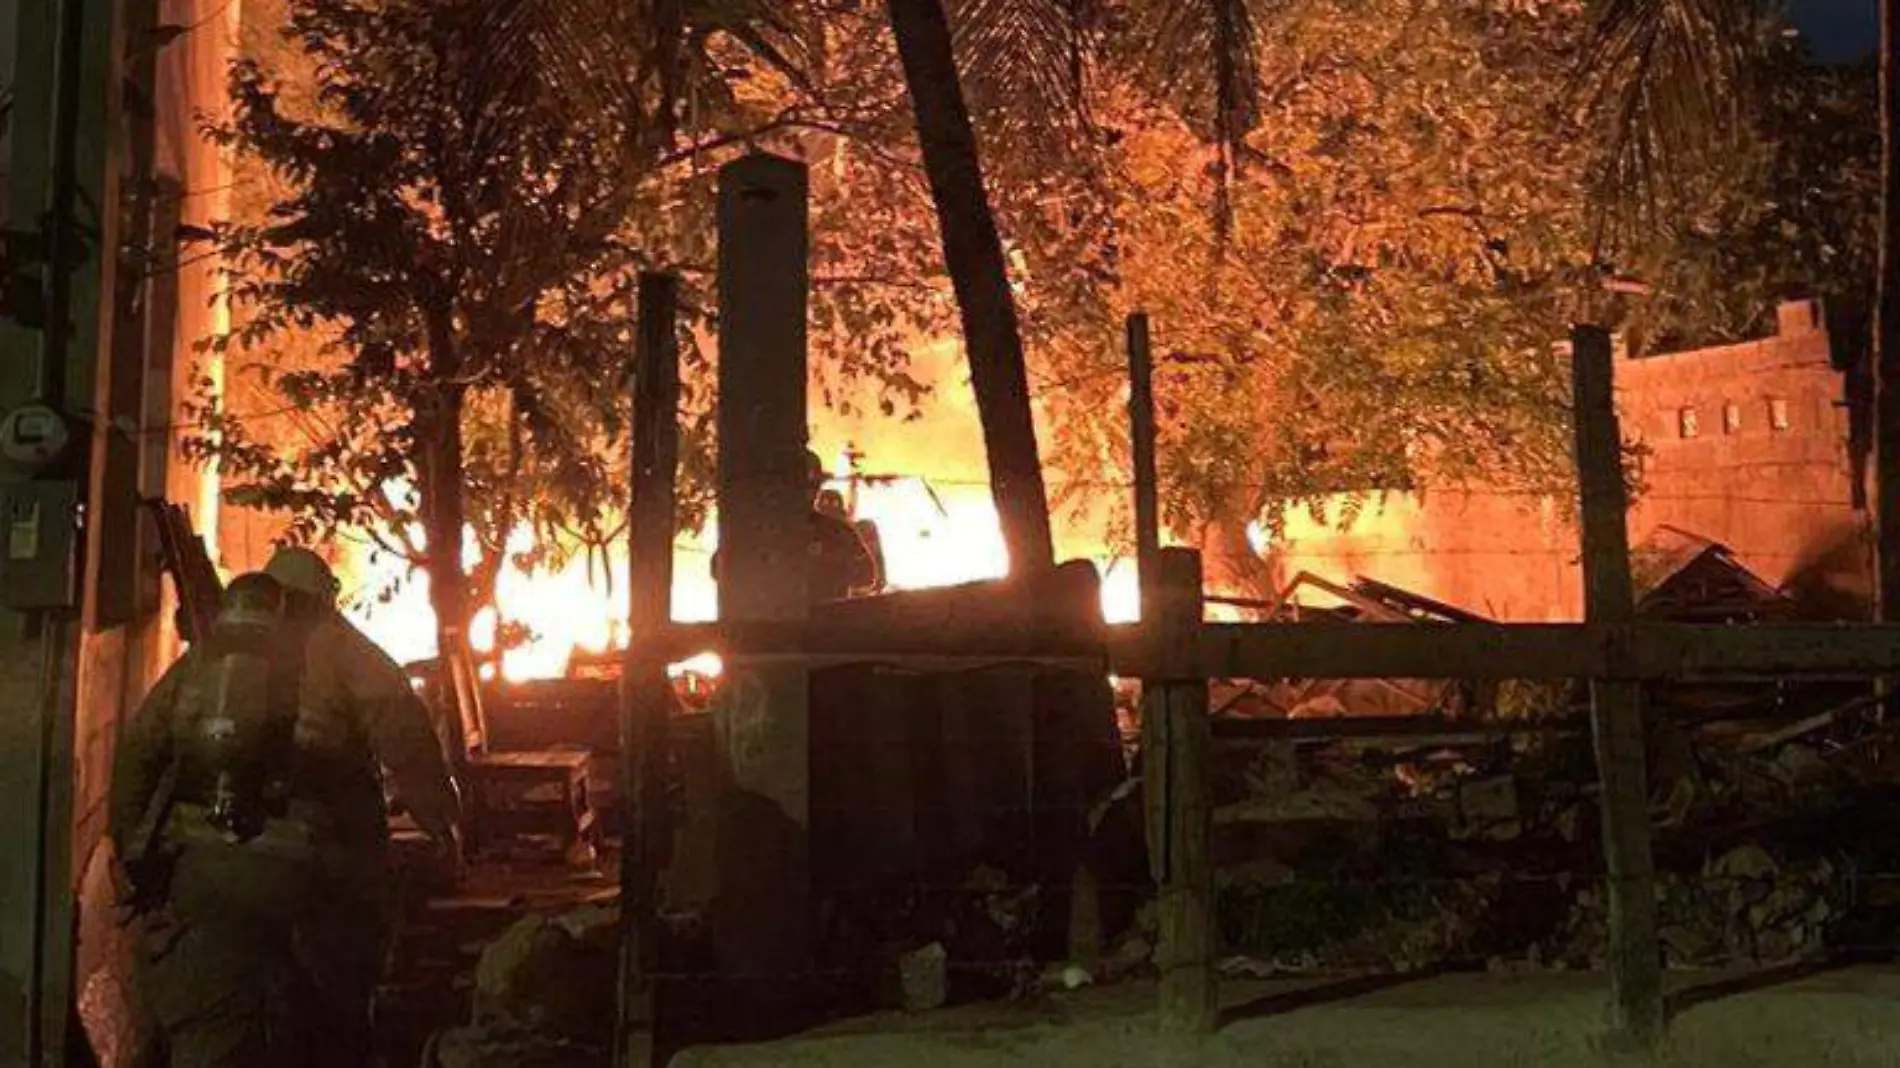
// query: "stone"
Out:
[1135,952]
[551,975]
[1275,770]
[1489,800]
[1067,977]
[1749,862]
[924,978]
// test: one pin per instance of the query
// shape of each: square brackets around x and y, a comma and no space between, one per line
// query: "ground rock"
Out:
[551,975]
[1488,808]
[924,978]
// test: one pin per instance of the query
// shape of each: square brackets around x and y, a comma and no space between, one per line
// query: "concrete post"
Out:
[762,917]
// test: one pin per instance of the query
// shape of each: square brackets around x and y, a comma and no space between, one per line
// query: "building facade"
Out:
[147,72]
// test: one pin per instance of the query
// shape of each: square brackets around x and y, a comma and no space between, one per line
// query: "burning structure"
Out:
[1042,747]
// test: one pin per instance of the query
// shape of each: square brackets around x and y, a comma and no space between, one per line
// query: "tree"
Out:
[1360,293]
[973,255]
[499,196]
[452,243]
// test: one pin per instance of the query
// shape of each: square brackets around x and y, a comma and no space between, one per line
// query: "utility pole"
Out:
[62,244]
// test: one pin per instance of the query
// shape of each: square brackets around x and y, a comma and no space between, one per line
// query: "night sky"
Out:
[1838,29]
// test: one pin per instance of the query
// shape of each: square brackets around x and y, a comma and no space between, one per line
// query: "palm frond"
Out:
[594,52]
[1669,77]
[1024,62]
[1202,57]
[631,59]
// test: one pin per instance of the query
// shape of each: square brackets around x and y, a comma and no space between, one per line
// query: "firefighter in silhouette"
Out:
[247,804]
[843,564]
[843,561]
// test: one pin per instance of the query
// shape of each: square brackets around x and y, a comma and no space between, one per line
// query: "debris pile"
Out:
[1392,826]
[934,944]
[1744,908]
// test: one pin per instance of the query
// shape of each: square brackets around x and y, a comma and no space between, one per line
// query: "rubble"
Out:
[1744,908]
[1484,847]
[924,978]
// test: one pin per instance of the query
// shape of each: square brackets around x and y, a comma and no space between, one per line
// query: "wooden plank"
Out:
[1176,747]
[1765,651]
[1141,420]
[1682,652]
[1641,651]
[1635,956]
[1411,731]
[646,698]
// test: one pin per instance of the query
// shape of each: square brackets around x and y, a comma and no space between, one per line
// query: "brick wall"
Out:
[1748,445]
[1745,444]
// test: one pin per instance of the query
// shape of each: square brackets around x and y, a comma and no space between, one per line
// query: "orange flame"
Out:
[575,608]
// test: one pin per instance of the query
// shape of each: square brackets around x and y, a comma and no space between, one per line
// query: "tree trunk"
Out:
[1887,328]
[973,254]
[444,516]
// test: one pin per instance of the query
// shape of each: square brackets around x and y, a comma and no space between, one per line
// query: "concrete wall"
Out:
[1764,468]
[1747,445]
[1511,558]
[116,662]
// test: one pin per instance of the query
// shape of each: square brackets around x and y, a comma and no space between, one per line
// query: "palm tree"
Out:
[973,255]
[1197,52]
[1031,53]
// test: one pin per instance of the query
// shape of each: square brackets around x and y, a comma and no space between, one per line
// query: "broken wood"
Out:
[1635,956]
[1176,747]
[646,695]
[1411,731]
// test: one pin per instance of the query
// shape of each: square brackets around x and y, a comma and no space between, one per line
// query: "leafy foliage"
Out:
[1406,197]
[453,222]
[1417,223]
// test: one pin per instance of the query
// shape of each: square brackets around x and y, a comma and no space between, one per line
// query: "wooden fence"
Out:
[1175,652]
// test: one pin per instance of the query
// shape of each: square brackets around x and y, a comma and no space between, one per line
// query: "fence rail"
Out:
[1640,651]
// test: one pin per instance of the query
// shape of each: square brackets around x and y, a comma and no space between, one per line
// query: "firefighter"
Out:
[842,564]
[248,807]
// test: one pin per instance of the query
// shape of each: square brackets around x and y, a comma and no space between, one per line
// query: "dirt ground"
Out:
[1798,1017]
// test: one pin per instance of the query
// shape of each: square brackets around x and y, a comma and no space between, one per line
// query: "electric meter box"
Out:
[34,438]
[39,527]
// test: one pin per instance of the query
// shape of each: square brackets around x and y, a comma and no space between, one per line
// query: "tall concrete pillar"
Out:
[762,916]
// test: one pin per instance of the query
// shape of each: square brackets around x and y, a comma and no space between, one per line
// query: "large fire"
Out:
[932,536]
[922,480]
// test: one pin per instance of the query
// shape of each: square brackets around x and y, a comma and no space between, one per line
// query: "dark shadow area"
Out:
[1680,1001]
[1324,993]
